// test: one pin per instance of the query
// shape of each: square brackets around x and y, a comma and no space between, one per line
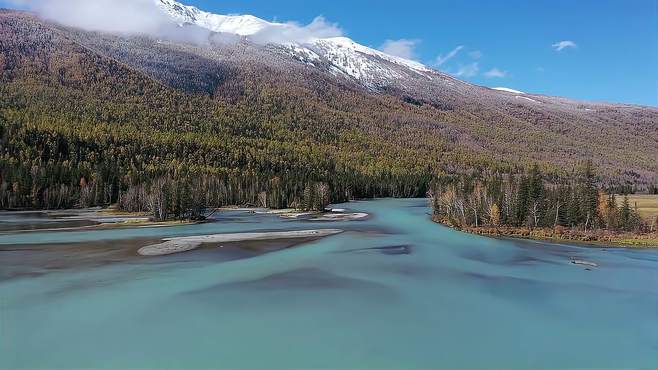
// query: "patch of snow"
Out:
[506,89]
[526,98]
[302,54]
[365,64]
[347,43]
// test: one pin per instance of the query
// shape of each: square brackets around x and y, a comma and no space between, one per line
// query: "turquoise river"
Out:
[393,291]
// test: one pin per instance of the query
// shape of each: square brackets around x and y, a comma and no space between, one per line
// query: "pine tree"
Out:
[589,195]
[612,216]
[522,202]
[625,213]
[535,194]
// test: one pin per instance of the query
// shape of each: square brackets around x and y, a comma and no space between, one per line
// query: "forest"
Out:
[55,167]
[84,126]
[527,200]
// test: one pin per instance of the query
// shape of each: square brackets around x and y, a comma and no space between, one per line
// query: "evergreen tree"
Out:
[625,213]
[589,195]
[522,202]
[535,195]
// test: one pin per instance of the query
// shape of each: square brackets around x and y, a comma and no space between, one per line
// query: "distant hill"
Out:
[119,109]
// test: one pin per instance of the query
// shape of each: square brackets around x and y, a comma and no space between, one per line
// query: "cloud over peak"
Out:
[561,45]
[294,32]
[148,17]
[403,48]
[115,16]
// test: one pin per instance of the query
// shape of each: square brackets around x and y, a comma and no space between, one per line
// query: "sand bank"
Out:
[185,244]
[340,217]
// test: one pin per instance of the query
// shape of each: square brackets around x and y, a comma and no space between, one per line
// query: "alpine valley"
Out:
[253,107]
[186,190]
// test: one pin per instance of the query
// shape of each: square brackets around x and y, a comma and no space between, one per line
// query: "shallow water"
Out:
[395,291]
[36,220]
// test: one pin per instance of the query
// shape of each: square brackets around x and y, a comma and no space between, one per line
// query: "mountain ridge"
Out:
[346,55]
[137,106]
[346,61]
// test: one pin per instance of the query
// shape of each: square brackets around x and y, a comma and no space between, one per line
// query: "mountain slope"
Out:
[500,124]
[568,123]
[124,109]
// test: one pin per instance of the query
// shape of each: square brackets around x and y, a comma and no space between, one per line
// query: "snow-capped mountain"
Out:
[328,90]
[243,25]
[369,66]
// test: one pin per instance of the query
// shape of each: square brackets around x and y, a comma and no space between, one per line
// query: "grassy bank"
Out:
[647,205]
[601,238]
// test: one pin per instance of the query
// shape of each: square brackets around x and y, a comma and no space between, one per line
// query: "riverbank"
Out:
[598,238]
[25,221]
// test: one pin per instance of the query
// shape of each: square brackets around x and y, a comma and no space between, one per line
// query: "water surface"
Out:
[395,291]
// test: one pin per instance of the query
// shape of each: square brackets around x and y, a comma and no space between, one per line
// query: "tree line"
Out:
[47,166]
[528,200]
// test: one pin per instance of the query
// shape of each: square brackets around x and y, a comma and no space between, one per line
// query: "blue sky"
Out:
[608,50]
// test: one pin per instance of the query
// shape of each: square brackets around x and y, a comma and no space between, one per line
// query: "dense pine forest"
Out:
[91,120]
[44,168]
[528,201]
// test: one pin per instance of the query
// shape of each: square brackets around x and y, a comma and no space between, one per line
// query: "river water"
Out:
[394,291]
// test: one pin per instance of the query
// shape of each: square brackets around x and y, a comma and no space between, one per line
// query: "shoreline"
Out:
[82,219]
[595,240]
[89,219]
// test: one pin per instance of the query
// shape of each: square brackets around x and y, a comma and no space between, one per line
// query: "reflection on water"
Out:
[395,291]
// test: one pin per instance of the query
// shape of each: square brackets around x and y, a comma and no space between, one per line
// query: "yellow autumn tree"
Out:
[494,215]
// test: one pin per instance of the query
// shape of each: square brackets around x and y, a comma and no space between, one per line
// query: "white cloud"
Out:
[495,73]
[293,32]
[475,54]
[402,48]
[122,16]
[559,46]
[441,60]
[146,17]
[468,70]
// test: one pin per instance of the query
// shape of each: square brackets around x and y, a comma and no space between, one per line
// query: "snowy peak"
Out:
[243,25]
[344,42]
[371,67]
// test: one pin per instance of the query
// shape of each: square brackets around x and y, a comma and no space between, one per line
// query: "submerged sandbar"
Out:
[185,244]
